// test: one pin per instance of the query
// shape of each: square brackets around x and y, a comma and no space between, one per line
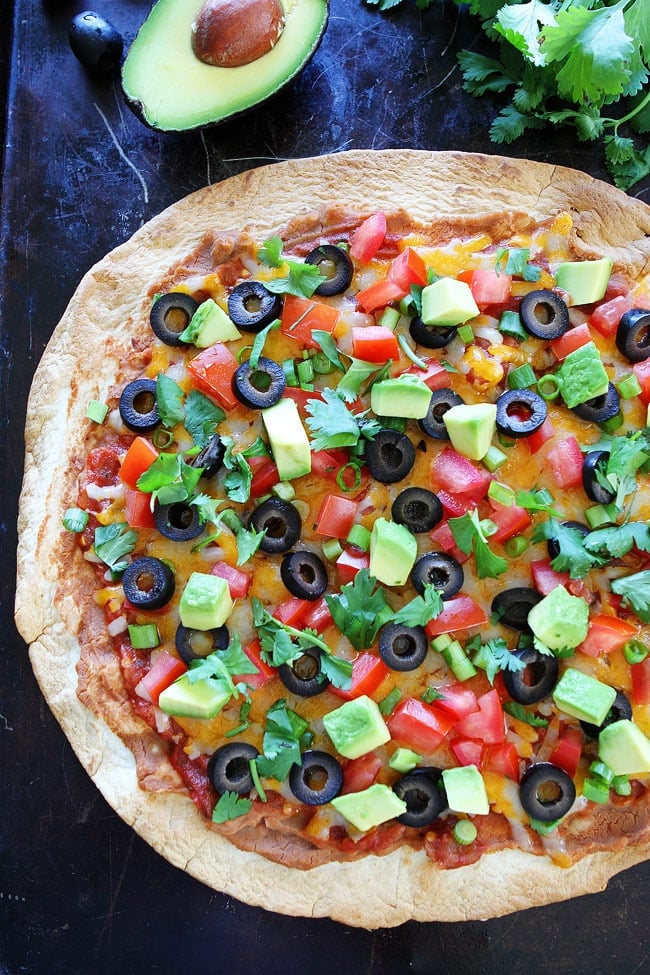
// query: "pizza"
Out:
[334,548]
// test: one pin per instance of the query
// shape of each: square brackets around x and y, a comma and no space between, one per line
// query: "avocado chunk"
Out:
[465,790]
[471,427]
[560,620]
[403,760]
[405,396]
[393,550]
[288,439]
[356,727]
[206,602]
[171,90]
[202,699]
[209,324]
[448,302]
[582,376]
[623,746]
[583,697]
[370,807]
[585,281]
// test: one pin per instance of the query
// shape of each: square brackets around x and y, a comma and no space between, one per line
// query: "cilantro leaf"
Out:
[573,557]
[357,373]
[248,542]
[169,398]
[337,671]
[516,263]
[520,25]
[635,590]
[328,347]
[387,704]
[237,481]
[626,457]
[301,279]
[281,741]
[519,712]
[335,425]
[510,123]
[169,479]
[113,542]
[420,610]
[469,535]
[230,806]
[360,610]
[207,508]
[221,666]
[494,656]
[536,501]
[482,74]
[201,417]
[280,642]
[617,541]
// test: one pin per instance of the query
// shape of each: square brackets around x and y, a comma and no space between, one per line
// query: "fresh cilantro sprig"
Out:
[635,590]
[470,535]
[493,656]
[360,610]
[573,556]
[540,500]
[626,456]
[281,744]
[113,543]
[230,806]
[221,666]
[519,712]
[301,279]
[617,541]
[420,610]
[516,261]
[238,480]
[334,425]
[196,412]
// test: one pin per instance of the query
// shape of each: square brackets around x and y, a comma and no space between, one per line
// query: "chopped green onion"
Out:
[162,438]
[458,661]
[284,490]
[548,387]
[75,520]
[389,318]
[543,828]
[393,423]
[305,372]
[441,642]
[601,771]
[332,548]
[340,477]
[612,425]
[629,386]
[635,652]
[501,493]
[595,790]
[387,705]
[359,536]
[322,365]
[466,334]
[505,441]
[465,832]
[522,377]
[96,411]
[289,369]
[510,324]
[621,785]
[601,514]
[410,354]
[494,459]
[242,352]
[516,546]
[255,775]
[144,636]
[238,730]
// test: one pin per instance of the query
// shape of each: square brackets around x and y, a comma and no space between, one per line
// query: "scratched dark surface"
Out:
[79,891]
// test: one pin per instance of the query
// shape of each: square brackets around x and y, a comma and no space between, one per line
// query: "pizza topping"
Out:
[519,413]
[601,409]
[418,509]
[512,606]
[261,385]
[318,779]
[620,710]
[335,266]
[633,333]
[139,406]
[304,675]
[229,768]
[193,644]
[422,791]
[547,792]
[534,680]
[390,456]
[584,281]
[171,314]
[544,314]
[403,647]
[178,521]
[304,575]
[252,307]
[624,748]
[209,324]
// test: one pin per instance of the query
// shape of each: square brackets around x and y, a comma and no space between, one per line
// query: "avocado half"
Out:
[172,91]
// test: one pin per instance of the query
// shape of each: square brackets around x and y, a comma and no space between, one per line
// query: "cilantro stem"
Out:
[408,351]
[626,118]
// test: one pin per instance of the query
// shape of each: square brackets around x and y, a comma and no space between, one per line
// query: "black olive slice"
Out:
[304,575]
[439,570]
[535,680]
[520,412]
[417,508]
[197,644]
[252,307]
[303,675]
[422,791]
[621,710]
[335,265]
[148,583]
[259,387]
[171,314]
[210,458]
[95,42]
[512,606]
[402,647]
[431,336]
[318,780]
[544,314]
[441,401]
[552,546]
[390,455]
[229,767]
[633,334]
[595,462]
[139,406]
[178,521]
[546,792]
[282,522]
[600,408]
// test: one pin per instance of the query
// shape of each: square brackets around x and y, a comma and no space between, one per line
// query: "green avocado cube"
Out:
[583,697]
[559,620]
[357,727]
[202,699]
[403,760]
[582,376]
[624,748]
[471,427]
[448,302]
[585,281]
[288,439]
[465,790]
[206,602]
[370,807]
[209,324]
[393,551]
[405,396]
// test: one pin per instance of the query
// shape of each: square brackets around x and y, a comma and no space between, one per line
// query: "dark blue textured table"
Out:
[79,891]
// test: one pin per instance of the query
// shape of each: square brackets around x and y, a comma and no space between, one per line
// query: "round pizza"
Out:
[334,545]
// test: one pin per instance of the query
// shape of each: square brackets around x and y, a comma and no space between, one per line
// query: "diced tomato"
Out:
[467,752]
[293,611]
[545,578]
[238,581]
[565,460]
[458,699]
[319,616]
[360,773]
[164,672]
[452,472]
[379,295]
[435,376]
[408,269]
[537,440]
[567,752]
[444,541]
[368,238]
[264,673]
[420,726]
[368,672]
[349,562]
[300,316]
[336,516]
[510,520]
[459,613]
[570,341]
[455,505]
[501,759]
[138,459]
[265,475]
[487,724]
[374,343]
[641,682]
[642,372]
[605,317]
[489,288]
[212,371]
[605,635]
[137,510]
[328,463]
[301,396]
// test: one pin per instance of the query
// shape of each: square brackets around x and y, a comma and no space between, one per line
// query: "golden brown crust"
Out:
[455,192]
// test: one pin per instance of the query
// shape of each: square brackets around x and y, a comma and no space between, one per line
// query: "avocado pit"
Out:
[231,33]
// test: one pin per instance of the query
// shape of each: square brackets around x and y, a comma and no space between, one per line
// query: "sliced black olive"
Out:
[600,408]
[390,456]
[552,546]
[304,575]
[95,42]
[402,647]
[439,570]
[520,412]
[546,792]
[303,675]
[139,406]
[252,307]
[170,315]
[318,780]
[260,387]
[282,522]
[422,791]
[512,606]
[210,458]
[229,767]
[178,521]
[417,508]
[621,710]
[633,334]
[535,680]
[335,265]
[431,336]
[441,401]
[544,314]
[148,583]
[595,462]
[196,644]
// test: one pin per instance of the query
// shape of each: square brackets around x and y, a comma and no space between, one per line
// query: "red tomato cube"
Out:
[565,460]
[336,516]
[420,726]
[368,238]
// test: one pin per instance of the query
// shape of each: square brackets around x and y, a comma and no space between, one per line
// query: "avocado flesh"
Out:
[172,91]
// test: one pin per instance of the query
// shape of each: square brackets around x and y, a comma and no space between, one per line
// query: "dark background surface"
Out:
[80,892]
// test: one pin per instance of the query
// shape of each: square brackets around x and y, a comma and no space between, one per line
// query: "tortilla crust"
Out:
[458,193]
